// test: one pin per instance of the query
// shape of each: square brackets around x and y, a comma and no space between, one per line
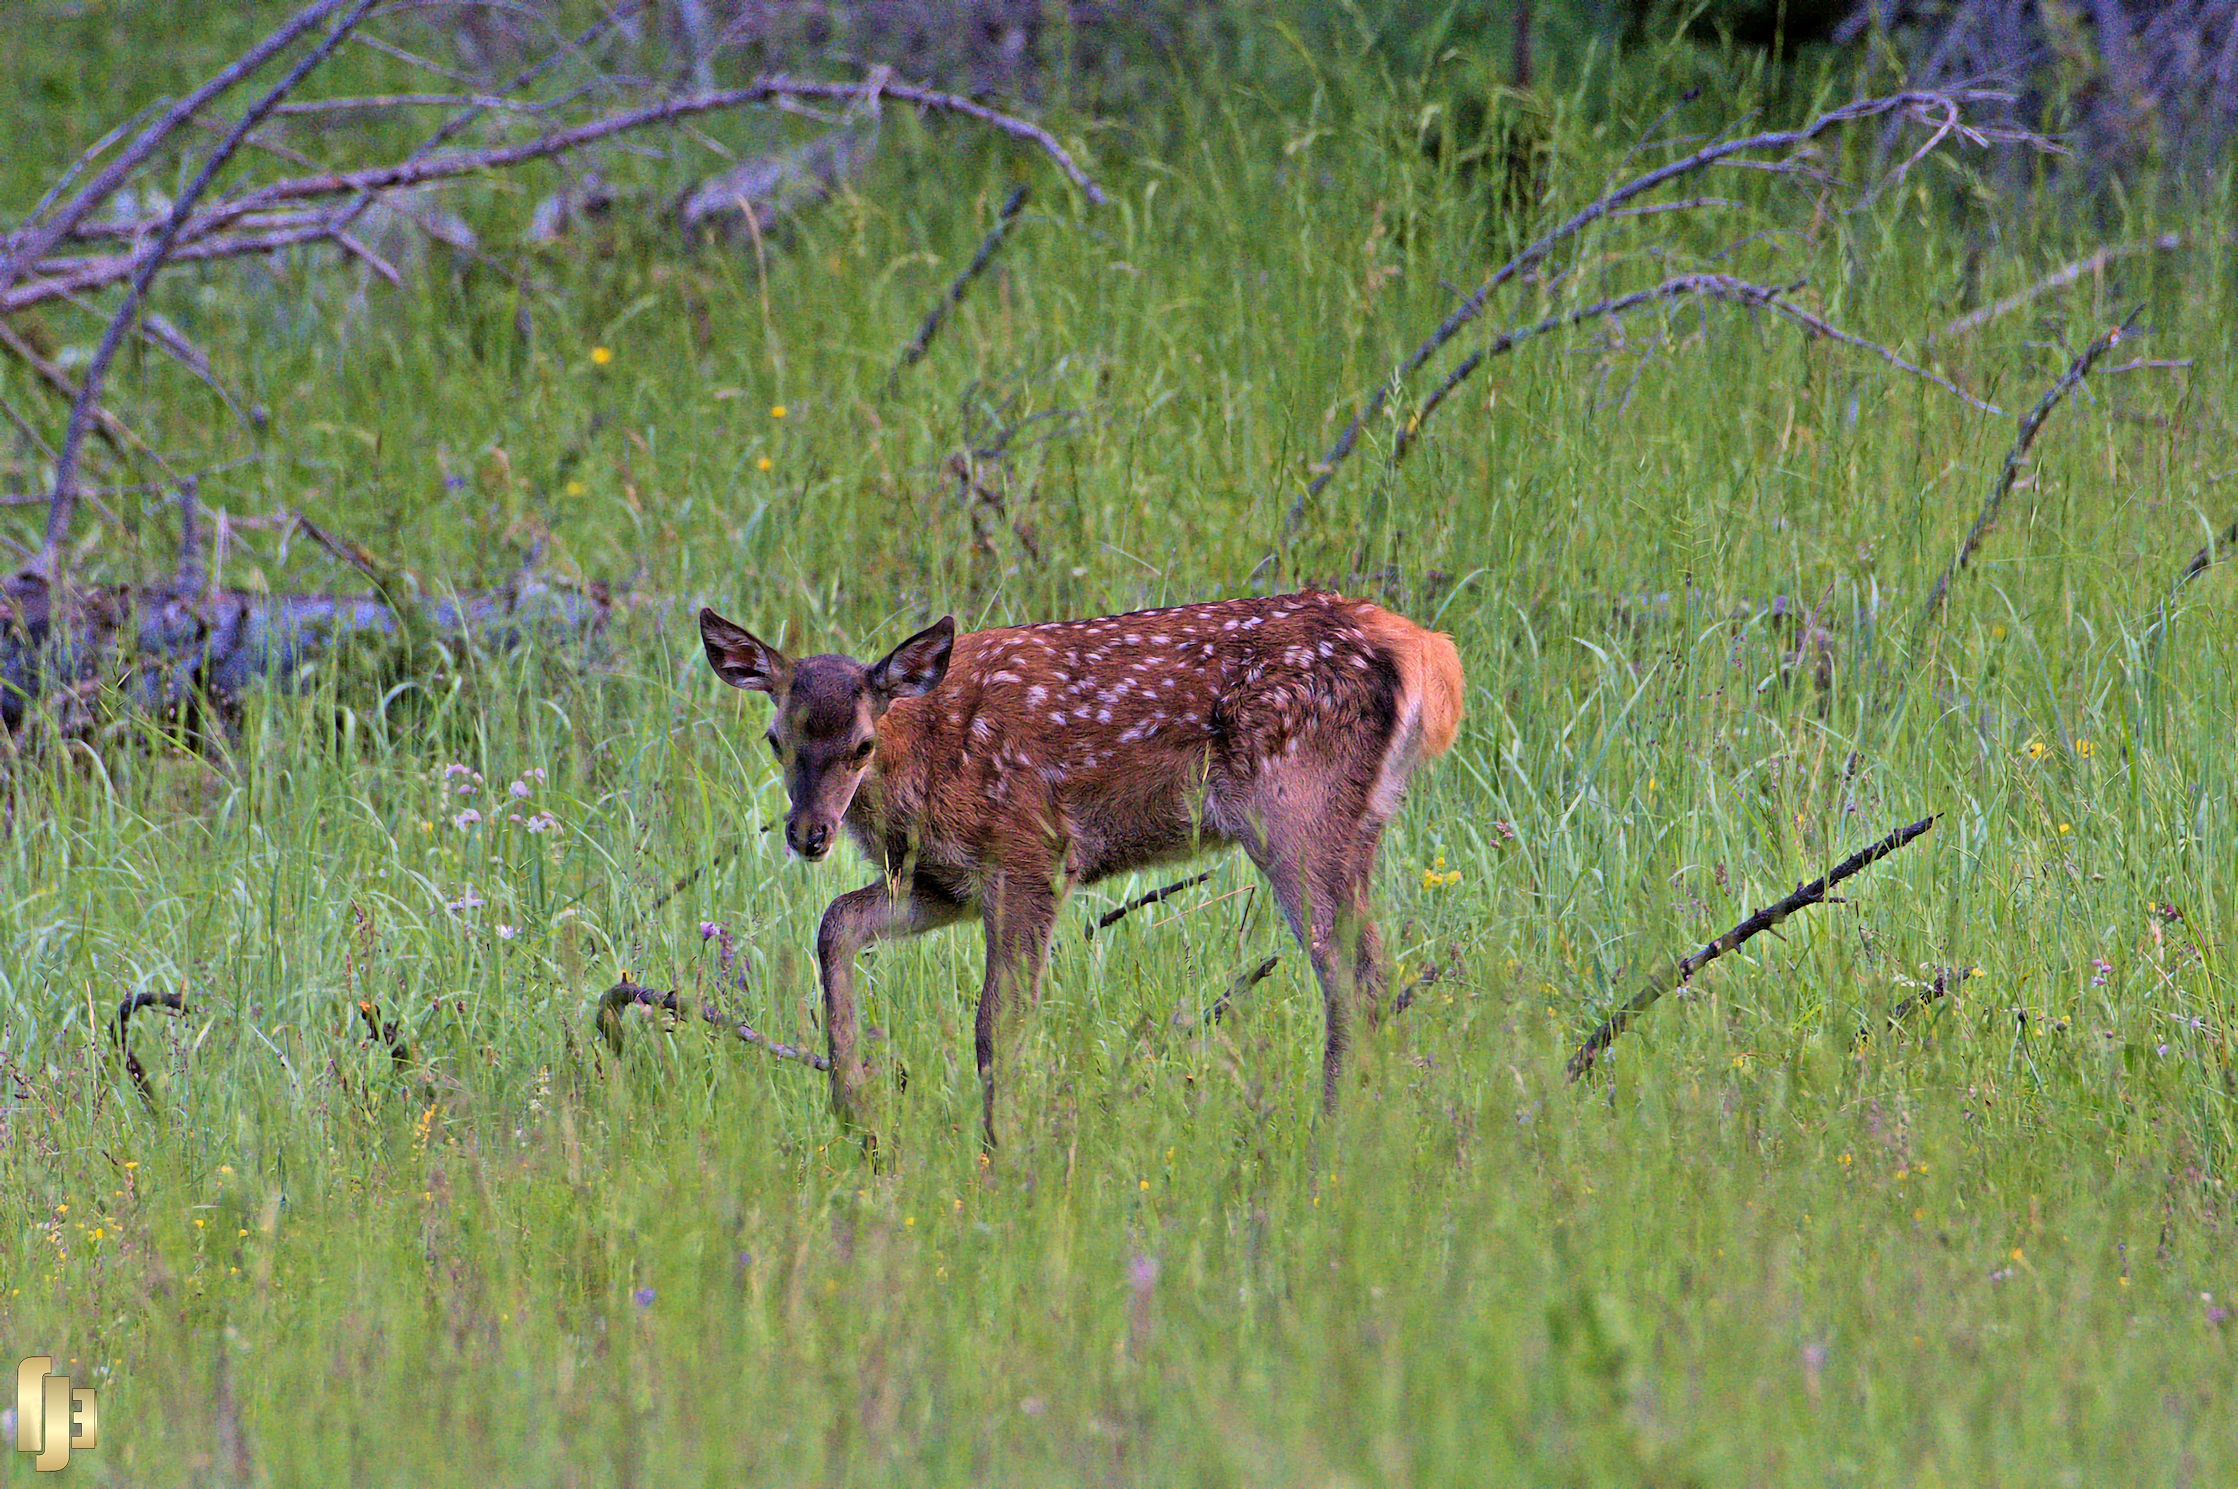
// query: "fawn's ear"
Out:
[915,667]
[739,659]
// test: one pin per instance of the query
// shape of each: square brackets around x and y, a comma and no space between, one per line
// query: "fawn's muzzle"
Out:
[810,841]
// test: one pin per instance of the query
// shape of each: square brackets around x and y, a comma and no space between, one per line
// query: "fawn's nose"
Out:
[811,841]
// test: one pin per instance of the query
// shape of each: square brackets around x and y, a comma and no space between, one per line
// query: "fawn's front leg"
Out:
[1020,912]
[876,912]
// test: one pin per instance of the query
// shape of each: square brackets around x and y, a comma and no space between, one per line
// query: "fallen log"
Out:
[174,652]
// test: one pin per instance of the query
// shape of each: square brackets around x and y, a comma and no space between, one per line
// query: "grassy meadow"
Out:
[1990,1245]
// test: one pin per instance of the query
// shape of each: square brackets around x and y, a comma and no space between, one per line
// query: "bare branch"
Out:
[1713,286]
[627,994]
[34,241]
[1819,327]
[2031,423]
[955,296]
[111,428]
[2060,278]
[1244,982]
[1683,971]
[1111,918]
[759,1040]
[47,563]
[1930,108]
[2210,552]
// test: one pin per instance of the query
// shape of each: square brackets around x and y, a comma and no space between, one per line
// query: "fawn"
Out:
[990,773]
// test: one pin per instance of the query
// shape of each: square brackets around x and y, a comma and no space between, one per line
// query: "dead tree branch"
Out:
[36,240]
[47,563]
[746,1032]
[2209,552]
[2030,425]
[955,296]
[1245,981]
[2060,278]
[1711,286]
[1686,967]
[1111,918]
[626,994]
[1935,110]
[211,233]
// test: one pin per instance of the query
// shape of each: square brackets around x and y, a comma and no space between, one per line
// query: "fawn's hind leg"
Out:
[1020,911]
[1303,837]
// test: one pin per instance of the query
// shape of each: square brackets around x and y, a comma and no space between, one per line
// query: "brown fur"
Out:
[1014,764]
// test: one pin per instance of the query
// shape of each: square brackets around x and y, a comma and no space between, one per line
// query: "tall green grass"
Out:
[1989,1246]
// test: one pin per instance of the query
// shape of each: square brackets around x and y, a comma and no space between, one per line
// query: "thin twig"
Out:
[2060,278]
[68,278]
[362,103]
[1913,104]
[1111,918]
[113,429]
[1771,915]
[955,296]
[2031,423]
[34,241]
[47,563]
[748,1033]
[449,129]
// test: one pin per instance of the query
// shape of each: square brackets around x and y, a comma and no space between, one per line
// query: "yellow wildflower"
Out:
[600,356]
[764,463]
[777,411]
[575,488]
[2066,828]
[2085,748]
[2036,749]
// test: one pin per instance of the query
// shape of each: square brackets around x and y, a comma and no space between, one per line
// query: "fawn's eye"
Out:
[862,751]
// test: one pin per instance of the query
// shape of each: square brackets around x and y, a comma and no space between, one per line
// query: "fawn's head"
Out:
[824,729]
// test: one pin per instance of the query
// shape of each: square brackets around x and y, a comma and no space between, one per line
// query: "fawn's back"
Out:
[1095,747]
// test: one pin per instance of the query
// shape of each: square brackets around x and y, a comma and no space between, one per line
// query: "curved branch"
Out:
[1936,109]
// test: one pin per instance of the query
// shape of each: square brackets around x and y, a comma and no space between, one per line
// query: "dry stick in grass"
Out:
[35,241]
[626,994]
[47,563]
[132,1004]
[1111,918]
[2060,278]
[1910,104]
[1245,981]
[955,296]
[2031,423]
[1763,920]
[2209,552]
